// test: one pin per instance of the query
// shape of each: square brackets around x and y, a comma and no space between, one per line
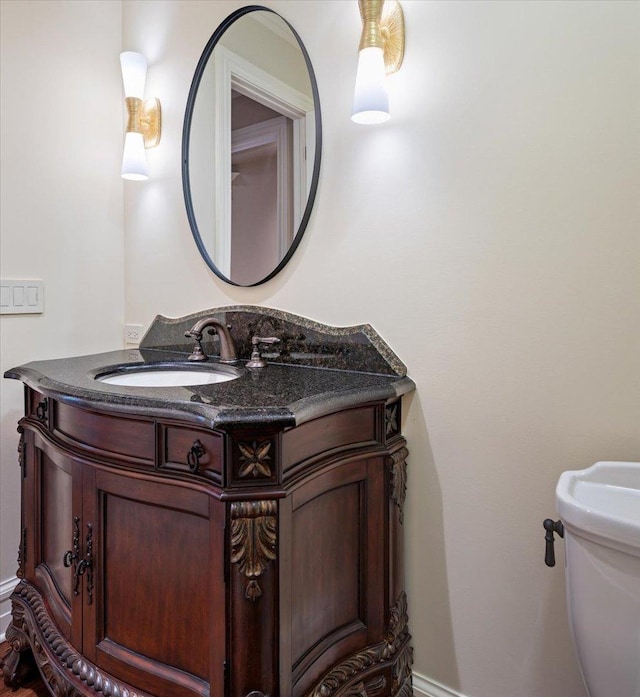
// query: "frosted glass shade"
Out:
[134,158]
[134,73]
[370,97]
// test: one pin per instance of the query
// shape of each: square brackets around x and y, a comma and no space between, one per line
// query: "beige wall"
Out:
[61,207]
[489,232]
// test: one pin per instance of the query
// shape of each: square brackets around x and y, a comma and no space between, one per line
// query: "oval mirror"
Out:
[251,146]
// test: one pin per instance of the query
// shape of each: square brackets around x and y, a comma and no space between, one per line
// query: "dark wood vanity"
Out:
[164,557]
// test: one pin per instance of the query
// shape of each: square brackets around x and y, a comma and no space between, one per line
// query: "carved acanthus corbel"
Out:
[253,540]
[397,464]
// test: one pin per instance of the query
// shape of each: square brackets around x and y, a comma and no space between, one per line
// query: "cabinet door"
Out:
[333,560]
[155,618]
[57,525]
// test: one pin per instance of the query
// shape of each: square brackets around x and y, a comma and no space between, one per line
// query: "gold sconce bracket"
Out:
[146,118]
[392,30]
[383,27]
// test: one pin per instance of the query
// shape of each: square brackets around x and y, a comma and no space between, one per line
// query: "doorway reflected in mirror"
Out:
[261,188]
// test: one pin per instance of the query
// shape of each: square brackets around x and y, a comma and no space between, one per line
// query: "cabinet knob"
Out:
[196,451]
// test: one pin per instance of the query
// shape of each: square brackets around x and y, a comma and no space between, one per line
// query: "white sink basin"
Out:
[167,377]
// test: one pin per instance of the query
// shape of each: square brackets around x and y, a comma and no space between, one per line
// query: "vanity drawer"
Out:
[191,450]
[347,429]
[117,437]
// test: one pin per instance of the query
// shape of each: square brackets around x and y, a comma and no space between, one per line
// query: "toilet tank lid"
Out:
[603,501]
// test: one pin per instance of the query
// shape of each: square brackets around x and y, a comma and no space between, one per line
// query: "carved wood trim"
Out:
[253,540]
[406,690]
[22,463]
[21,450]
[397,464]
[59,663]
[373,688]
[254,459]
[10,664]
[22,553]
[395,647]
[391,420]
[402,677]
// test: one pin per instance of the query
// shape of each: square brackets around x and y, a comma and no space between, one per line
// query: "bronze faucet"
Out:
[227,347]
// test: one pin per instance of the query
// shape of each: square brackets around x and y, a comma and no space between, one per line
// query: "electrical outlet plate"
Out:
[132,334]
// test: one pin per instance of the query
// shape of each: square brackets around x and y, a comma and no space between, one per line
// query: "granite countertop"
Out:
[292,389]
[281,395]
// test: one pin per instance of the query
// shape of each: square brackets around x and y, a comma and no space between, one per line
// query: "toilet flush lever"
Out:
[551,527]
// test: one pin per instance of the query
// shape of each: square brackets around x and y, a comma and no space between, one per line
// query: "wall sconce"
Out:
[144,124]
[381,53]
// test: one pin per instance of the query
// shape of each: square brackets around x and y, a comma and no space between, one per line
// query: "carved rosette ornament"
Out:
[254,459]
[59,663]
[392,420]
[394,647]
[253,540]
[397,464]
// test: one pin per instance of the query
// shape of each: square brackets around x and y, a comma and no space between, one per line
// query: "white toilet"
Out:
[600,510]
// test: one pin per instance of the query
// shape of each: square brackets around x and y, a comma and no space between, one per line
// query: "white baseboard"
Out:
[6,589]
[426,687]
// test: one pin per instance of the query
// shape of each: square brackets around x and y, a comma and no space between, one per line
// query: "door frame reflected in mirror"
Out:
[232,72]
[247,144]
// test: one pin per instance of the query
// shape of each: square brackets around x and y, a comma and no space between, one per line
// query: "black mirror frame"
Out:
[186,133]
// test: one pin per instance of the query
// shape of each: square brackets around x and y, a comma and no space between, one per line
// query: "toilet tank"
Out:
[600,510]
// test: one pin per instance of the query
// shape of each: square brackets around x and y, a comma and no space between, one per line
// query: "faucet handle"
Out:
[198,353]
[256,360]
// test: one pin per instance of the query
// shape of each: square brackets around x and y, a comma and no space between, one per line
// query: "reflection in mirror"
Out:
[251,146]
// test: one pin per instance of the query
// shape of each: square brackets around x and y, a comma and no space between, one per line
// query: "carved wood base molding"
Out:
[359,675]
[14,669]
[65,671]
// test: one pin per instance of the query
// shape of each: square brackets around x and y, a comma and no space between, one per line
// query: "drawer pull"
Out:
[41,410]
[196,451]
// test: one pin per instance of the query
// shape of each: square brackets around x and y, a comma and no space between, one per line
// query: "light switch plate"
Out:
[21,297]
